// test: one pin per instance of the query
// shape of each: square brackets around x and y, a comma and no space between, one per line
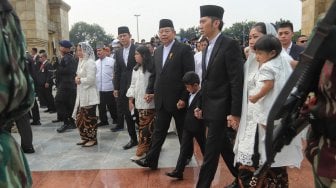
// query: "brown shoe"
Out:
[90,143]
[82,142]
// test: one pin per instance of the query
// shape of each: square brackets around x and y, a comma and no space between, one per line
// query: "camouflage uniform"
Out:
[16,97]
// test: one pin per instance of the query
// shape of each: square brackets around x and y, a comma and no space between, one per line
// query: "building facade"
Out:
[44,22]
[311,10]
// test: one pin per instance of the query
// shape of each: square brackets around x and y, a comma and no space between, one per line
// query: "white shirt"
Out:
[137,89]
[105,73]
[191,97]
[166,50]
[126,53]
[198,64]
[289,48]
[210,48]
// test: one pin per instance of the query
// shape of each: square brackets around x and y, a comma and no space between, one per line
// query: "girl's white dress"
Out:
[279,70]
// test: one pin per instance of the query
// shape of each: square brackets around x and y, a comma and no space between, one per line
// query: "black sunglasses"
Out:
[303,41]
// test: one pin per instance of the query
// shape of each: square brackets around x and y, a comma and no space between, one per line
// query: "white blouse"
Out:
[137,89]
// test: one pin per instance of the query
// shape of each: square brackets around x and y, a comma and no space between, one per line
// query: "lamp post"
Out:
[137,21]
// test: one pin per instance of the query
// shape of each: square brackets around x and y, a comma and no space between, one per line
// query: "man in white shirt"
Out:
[104,81]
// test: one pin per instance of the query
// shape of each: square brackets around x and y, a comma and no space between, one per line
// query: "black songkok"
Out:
[123,29]
[166,23]
[212,11]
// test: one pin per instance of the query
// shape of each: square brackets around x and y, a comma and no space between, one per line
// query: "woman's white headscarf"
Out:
[87,50]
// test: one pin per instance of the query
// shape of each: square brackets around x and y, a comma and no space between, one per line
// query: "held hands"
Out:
[46,85]
[130,105]
[77,80]
[233,121]
[180,104]
[149,97]
[116,93]
[198,113]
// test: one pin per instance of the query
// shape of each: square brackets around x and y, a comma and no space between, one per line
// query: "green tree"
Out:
[239,31]
[92,33]
[189,33]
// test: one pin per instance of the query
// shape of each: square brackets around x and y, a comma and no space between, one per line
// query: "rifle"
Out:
[304,79]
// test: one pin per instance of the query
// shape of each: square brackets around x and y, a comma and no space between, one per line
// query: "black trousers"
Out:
[35,112]
[161,126]
[107,100]
[124,113]
[24,129]
[187,143]
[46,95]
[218,143]
[65,103]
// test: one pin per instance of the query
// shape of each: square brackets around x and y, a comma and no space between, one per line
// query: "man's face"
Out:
[207,26]
[167,35]
[42,58]
[124,39]
[100,53]
[285,35]
[302,41]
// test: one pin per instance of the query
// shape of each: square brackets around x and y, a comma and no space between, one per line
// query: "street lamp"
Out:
[137,16]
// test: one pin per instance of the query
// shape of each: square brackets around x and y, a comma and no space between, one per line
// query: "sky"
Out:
[111,14]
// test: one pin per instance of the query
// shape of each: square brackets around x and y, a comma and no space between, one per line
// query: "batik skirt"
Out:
[146,127]
[86,122]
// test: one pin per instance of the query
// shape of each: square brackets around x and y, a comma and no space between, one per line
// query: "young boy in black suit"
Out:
[193,127]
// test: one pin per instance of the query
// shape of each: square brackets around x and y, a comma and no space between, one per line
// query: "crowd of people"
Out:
[210,92]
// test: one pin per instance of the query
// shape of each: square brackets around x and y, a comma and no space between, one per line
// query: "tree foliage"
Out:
[189,33]
[239,31]
[92,33]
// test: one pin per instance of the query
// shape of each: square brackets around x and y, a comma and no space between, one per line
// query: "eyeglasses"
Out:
[302,41]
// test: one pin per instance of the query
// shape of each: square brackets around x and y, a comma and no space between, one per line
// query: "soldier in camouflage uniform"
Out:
[16,97]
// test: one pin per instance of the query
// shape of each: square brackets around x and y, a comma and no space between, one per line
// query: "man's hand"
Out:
[130,105]
[180,104]
[233,121]
[116,93]
[77,80]
[198,113]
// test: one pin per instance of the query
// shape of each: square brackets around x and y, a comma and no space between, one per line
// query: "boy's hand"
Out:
[180,104]
[233,121]
[198,113]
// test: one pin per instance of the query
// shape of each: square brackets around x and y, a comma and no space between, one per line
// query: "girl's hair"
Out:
[261,27]
[268,43]
[147,64]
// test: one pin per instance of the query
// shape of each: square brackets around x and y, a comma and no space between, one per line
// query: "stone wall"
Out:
[311,10]
[44,22]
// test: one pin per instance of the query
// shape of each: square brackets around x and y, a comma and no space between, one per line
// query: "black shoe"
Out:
[65,127]
[28,150]
[130,144]
[144,163]
[43,106]
[102,124]
[56,120]
[35,123]
[52,111]
[175,174]
[234,184]
[116,129]
[47,110]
